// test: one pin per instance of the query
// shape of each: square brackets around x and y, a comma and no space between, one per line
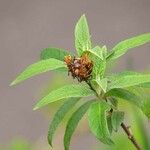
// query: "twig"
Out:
[125,128]
[130,136]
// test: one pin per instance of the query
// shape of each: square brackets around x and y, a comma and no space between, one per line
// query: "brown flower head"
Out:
[79,68]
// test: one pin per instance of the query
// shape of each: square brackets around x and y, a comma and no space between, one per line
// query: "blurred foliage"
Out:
[18,144]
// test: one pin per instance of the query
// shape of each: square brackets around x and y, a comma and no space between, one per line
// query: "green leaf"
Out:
[38,68]
[110,128]
[122,47]
[82,36]
[116,119]
[96,86]
[145,85]
[99,62]
[146,107]
[100,84]
[103,84]
[73,122]
[99,67]
[113,102]
[127,79]
[59,115]
[55,53]
[96,51]
[126,95]
[98,121]
[66,91]
[104,51]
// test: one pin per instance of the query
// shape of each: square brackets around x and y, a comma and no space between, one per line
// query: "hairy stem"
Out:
[130,136]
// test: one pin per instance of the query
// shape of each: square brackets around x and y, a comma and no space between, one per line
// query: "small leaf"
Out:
[146,107]
[110,128]
[102,84]
[104,48]
[127,79]
[38,68]
[122,47]
[65,92]
[73,122]
[96,51]
[55,53]
[59,115]
[126,95]
[96,86]
[98,121]
[116,119]
[82,36]
[113,102]
[99,66]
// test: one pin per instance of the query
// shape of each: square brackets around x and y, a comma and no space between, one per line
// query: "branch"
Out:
[130,136]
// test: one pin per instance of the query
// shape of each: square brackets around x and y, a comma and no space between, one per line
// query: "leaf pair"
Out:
[72,123]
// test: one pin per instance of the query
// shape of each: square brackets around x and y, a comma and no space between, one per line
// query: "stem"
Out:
[130,136]
[125,128]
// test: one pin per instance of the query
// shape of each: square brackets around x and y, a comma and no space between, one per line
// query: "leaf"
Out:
[96,86]
[65,92]
[73,122]
[96,51]
[98,59]
[103,84]
[127,79]
[116,119]
[55,53]
[98,121]
[104,51]
[122,47]
[109,124]
[113,102]
[145,85]
[82,36]
[100,84]
[126,95]
[38,68]
[59,115]
[146,107]
[99,67]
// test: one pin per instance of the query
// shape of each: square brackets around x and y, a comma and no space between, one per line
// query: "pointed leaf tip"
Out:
[12,83]
[38,68]
[35,108]
[82,36]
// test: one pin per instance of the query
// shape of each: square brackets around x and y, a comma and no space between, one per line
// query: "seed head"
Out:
[79,68]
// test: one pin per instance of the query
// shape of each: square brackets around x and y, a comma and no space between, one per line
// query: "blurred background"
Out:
[28,26]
